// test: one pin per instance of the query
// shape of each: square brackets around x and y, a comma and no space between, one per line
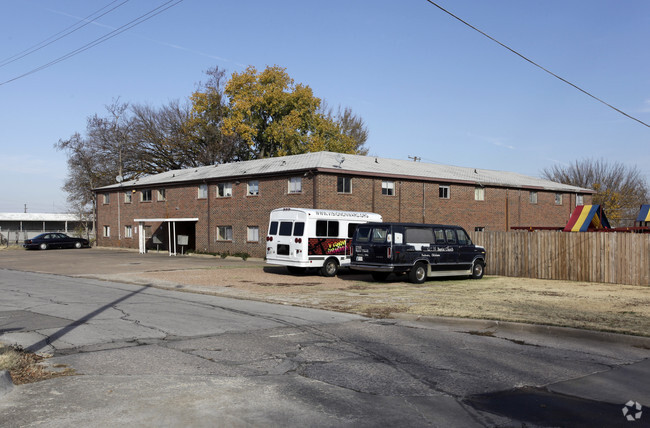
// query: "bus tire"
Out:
[477,269]
[418,274]
[330,267]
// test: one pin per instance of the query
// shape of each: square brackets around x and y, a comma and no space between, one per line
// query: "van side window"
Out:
[298,228]
[327,228]
[285,228]
[351,228]
[363,234]
[419,235]
[273,228]
[463,239]
[440,236]
[451,236]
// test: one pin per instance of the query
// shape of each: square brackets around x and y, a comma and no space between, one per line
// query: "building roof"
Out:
[38,217]
[349,164]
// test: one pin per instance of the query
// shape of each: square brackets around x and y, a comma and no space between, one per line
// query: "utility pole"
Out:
[25,208]
[415,158]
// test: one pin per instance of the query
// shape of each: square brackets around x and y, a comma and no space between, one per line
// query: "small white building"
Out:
[16,227]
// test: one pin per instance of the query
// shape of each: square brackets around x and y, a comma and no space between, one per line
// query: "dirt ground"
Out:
[594,306]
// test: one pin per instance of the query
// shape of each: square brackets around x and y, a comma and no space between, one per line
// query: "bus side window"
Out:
[440,236]
[285,228]
[298,228]
[351,228]
[327,228]
[273,228]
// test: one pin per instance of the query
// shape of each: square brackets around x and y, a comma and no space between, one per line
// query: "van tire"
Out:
[418,273]
[330,268]
[380,276]
[477,269]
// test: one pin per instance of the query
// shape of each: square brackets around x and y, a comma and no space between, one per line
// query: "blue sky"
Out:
[425,84]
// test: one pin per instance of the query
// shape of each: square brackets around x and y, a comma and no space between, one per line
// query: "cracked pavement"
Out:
[145,356]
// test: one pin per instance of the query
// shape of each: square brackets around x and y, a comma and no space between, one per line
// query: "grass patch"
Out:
[26,367]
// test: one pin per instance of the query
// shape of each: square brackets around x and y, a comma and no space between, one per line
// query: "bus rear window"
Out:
[285,228]
[298,228]
[273,228]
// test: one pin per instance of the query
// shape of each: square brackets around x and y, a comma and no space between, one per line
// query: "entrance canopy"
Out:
[586,218]
[171,230]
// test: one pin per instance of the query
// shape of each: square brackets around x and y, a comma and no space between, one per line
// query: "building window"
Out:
[253,234]
[145,195]
[107,231]
[388,188]
[128,231]
[253,188]
[533,197]
[295,185]
[580,200]
[479,229]
[161,195]
[443,192]
[128,197]
[224,190]
[343,185]
[203,191]
[107,198]
[479,193]
[558,199]
[224,233]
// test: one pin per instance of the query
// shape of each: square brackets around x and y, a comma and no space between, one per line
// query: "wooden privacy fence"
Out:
[618,258]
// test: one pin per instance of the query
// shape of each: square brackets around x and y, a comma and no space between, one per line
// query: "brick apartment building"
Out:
[225,208]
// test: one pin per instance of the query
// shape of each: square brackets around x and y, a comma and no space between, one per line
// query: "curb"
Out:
[6,384]
[507,326]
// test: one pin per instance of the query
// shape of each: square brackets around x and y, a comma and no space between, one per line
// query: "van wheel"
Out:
[477,270]
[380,276]
[330,268]
[418,274]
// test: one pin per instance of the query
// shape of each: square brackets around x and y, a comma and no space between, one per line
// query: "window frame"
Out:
[341,187]
[388,187]
[128,231]
[445,190]
[107,231]
[479,193]
[250,185]
[249,229]
[147,193]
[558,198]
[580,199]
[202,191]
[128,197]
[223,237]
[294,185]
[533,197]
[161,195]
[226,185]
[106,199]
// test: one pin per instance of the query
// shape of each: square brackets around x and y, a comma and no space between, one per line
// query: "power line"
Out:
[48,41]
[139,20]
[537,65]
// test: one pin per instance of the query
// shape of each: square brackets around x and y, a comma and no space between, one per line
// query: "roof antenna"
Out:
[415,158]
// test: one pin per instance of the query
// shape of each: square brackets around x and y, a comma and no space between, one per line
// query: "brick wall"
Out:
[410,201]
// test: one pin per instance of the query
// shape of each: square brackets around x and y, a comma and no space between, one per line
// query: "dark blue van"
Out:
[419,250]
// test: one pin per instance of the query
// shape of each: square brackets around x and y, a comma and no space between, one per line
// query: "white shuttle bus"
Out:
[301,238]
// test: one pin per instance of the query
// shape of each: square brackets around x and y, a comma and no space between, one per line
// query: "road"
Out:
[151,357]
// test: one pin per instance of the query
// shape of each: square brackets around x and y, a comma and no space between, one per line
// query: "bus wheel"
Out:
[418,274]
[477,270]
[330,268]
[380,276]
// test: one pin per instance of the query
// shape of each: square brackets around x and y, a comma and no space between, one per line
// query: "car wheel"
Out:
[477,270]
[78,245]
[418,274]
[43,246]
[380,276]
[330,268]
